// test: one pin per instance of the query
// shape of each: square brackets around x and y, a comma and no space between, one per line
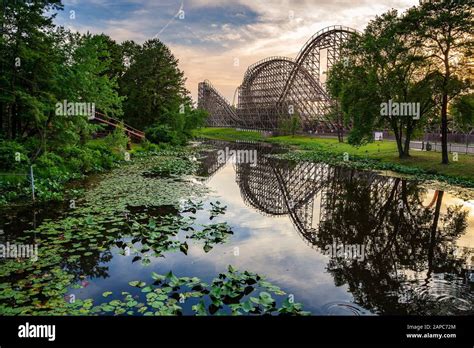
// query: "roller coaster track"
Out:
[276,88]
[221,113]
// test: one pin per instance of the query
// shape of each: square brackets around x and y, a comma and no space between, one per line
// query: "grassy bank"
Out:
[379,155]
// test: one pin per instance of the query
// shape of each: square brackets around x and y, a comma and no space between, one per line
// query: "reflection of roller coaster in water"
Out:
[404,231]
[277,187]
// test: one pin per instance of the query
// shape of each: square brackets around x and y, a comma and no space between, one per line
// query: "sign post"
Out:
[32,178]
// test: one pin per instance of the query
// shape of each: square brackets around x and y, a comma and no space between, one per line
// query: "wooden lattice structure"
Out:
[276,88]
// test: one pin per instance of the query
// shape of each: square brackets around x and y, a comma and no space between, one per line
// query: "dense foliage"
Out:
[43,66]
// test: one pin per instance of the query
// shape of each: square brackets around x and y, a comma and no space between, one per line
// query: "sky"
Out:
[216,39]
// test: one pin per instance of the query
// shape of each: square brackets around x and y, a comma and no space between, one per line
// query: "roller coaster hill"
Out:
[279,87]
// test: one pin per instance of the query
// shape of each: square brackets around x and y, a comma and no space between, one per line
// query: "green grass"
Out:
[383,152]
[229,134]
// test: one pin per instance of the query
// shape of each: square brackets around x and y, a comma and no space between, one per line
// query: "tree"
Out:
[28,65]
[383,65]
[176,128]
[42,65]
[153,85]
[290,125]
[462,110]
[82,76]
[445,30]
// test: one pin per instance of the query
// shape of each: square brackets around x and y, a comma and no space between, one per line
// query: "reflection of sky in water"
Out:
[467,239]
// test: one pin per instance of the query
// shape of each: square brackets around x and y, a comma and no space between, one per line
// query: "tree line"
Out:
[49,75]
[42,64]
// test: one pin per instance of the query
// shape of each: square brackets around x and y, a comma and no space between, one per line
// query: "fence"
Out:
[436,147]
[457,142]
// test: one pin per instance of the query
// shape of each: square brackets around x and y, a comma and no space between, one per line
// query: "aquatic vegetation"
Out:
[192,207]
[145,217]
[217,209]
[80,241]
[233,292]
[74,241]
[212,234]
[160,236]
[173,167]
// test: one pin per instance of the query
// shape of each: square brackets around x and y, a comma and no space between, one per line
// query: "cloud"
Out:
[214,33]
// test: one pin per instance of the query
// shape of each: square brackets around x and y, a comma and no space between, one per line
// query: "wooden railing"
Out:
[129,130]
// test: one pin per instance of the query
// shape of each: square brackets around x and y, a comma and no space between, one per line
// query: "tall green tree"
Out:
[28,65]
[382,65]
[446,34]
[153,85]
[84,76]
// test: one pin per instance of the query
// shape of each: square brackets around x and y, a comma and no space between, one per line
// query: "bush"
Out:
[51,165]
[147,146]
[164,134]
[117,140]
[8,162]
[53,169]
[88,159]
[104,157]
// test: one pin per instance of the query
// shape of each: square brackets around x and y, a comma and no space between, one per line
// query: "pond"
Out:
[337,240]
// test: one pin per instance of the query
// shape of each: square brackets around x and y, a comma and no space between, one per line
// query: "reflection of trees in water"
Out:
[401,238]
[407,246]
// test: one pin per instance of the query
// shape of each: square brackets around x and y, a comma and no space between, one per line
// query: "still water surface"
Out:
[409,248]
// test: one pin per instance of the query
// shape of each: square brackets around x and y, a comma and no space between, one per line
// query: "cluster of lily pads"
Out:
[231,293]
[79,244]
[173,167]
[160,235]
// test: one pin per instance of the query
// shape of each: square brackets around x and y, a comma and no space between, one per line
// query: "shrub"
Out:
[117,140]
[147,146]
[8,162]
[51,165]
[164,134]
[106,156]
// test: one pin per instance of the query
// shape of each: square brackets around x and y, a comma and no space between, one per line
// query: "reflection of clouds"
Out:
[287,262]
[266,245]
[467,239]
[282,259]
[272,247]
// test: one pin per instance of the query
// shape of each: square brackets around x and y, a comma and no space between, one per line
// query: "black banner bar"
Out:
[139,331]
